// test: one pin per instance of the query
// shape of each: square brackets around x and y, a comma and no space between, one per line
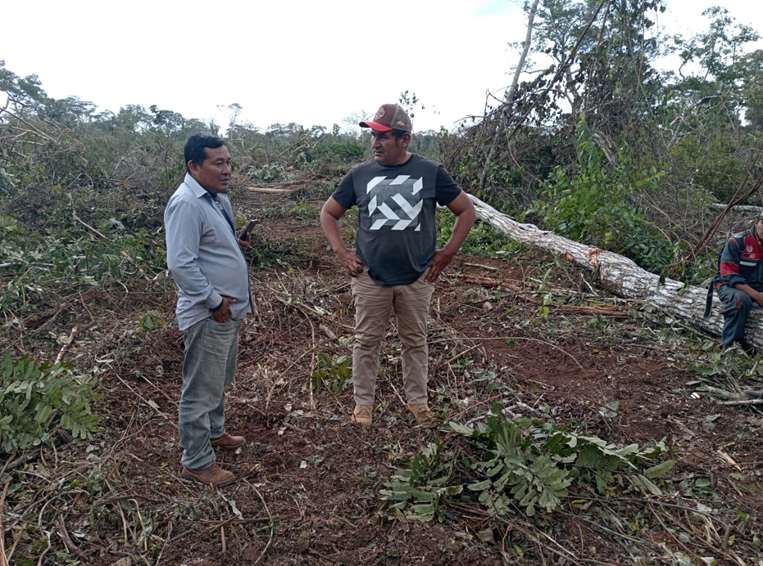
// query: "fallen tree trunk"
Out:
[622,276]
[741,208]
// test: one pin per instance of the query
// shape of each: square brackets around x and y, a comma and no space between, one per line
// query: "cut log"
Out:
[622,276]
[287,186]
[273,190]
[748,209]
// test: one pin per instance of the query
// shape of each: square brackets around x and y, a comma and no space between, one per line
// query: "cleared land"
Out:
[523,330]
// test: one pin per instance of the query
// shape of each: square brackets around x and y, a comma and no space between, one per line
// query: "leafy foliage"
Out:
[482,239]
[151,321]
[37,400]
[333,373]
[524,464]
[533,465]
[596,205]
[420,489]
[33,266]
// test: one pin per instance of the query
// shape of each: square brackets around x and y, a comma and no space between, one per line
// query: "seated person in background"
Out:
[740,281]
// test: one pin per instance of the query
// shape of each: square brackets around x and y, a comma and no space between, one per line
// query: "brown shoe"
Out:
[363,415]
[423,415]
[214,475]
[227,441]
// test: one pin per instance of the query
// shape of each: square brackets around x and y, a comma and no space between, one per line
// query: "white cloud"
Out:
[283,61]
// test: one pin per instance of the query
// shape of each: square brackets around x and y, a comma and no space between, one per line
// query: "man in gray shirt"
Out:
[205,259]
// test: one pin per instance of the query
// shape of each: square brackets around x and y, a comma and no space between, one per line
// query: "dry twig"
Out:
[11,465]
[270,518]
[67,540]
[734,202]
[481,266]
[602,310]
[3,557]
[164,545]
[505,338]
[151,404]
[66,345]
[743,402]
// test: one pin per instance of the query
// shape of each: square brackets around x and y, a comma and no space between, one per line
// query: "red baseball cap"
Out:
[387,118]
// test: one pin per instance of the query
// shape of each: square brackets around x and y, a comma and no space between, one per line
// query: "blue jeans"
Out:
[209,365]
[736,308]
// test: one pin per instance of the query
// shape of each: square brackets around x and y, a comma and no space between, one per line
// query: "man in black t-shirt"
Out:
[396,261]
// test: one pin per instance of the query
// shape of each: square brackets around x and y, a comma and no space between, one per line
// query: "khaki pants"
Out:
[373,306]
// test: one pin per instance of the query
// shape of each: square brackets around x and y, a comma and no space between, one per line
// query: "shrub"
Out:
[521,464]
[38,400]
[35,267]
[344,149]
[596,205]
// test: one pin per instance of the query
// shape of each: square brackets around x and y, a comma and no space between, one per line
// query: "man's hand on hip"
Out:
[222,313]
[440,261]
[245,243]
[351,262]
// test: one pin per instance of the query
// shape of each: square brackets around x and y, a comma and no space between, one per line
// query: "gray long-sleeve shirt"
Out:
[203,255]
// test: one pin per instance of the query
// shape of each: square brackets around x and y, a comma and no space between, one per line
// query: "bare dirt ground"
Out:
[309,482]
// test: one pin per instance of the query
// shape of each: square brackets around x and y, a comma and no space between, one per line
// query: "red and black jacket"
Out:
[741,261]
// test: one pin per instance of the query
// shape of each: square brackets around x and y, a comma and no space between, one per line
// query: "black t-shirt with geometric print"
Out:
[397,231]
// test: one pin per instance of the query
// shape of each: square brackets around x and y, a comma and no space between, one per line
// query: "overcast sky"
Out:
[311,62]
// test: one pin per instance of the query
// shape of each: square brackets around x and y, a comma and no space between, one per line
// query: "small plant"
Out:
[423,485]
[152,320]
[716,365]
[518,470]
[268,173]
[333,373]
[303,210]
[37,400]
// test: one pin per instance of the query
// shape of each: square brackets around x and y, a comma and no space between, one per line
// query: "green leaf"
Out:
[645,485]
[461,429]
[660,469]
[422,512]
[43,413]
[422,496]
[479,486]
[36,400]
[454,490]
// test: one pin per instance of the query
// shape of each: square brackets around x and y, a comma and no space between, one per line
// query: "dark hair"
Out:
[195,148]
[399,133]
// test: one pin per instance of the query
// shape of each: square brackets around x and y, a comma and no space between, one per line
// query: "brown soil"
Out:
[309,481]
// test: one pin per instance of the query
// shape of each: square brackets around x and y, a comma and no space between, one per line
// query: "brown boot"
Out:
[423,415]
[363,415]
[227,441]
[214,475]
